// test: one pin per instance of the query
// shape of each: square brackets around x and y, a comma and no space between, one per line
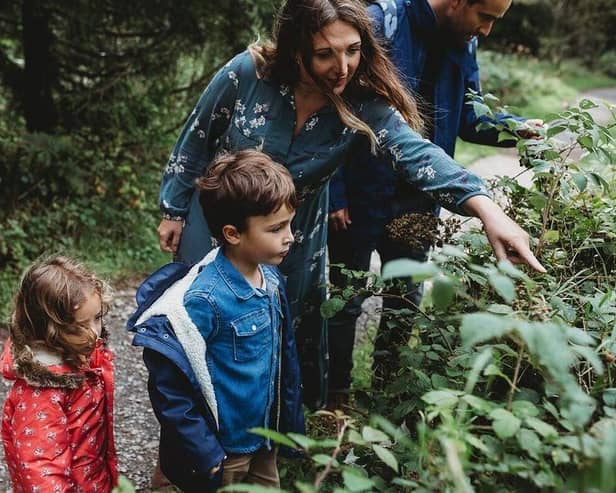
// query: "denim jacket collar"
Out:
[236,282]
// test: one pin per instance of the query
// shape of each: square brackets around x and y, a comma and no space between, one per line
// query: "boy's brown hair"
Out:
[240,185]
[51,291]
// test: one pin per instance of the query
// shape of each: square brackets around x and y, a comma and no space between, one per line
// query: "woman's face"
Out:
[336,56]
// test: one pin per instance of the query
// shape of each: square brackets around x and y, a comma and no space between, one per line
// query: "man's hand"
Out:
[339,220]
[508,240]
[169,233]
[531,129]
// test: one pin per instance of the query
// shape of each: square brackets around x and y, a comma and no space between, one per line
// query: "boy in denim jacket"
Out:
[217,339]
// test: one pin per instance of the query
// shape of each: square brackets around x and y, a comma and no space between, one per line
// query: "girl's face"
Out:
[90,313]
[336,56]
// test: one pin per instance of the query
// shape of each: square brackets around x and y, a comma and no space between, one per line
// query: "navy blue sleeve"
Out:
[470,120]
[178,413]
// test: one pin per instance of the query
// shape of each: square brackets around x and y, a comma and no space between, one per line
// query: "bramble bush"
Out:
[506,379]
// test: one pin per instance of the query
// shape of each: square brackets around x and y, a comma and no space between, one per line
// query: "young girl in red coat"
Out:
[57,423]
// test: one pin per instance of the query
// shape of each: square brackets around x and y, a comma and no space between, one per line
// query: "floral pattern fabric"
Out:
[60,440]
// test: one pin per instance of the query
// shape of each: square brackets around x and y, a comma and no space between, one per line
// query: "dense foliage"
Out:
[92,96]
[506,379]
[559,29]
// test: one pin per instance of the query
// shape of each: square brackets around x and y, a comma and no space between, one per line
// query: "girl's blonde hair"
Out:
[296,24]
[51,291]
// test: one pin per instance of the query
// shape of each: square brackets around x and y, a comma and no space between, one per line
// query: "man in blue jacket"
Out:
[433,44]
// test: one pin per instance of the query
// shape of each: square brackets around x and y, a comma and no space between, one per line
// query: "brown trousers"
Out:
[256,468]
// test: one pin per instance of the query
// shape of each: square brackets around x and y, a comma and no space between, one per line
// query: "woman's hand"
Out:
[169,233]
[508,240]
[339,220]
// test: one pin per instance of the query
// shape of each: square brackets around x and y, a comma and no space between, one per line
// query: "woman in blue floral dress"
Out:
[321,92]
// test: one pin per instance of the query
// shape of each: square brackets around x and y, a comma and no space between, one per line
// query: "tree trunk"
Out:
[41,71]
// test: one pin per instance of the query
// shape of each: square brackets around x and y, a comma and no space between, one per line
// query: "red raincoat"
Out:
[57,429]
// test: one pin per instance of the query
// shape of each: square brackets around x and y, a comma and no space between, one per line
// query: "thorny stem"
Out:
[516,376]
[342,426]
[547,211]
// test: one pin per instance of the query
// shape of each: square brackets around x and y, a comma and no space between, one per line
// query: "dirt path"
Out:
[506,163]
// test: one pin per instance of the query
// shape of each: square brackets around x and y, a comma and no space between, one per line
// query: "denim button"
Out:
[254,327]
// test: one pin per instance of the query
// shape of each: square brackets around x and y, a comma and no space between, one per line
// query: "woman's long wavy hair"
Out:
[297,23]
[51,291]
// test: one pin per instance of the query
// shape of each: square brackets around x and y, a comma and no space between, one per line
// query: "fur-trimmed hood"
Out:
[40,367]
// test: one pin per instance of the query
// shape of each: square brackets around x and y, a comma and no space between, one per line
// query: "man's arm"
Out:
[470,121]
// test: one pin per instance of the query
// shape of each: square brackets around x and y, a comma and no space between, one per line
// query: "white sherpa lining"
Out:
[171,304]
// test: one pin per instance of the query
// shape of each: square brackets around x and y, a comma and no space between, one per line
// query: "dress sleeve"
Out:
[197,142]
[418,161]
[42,443]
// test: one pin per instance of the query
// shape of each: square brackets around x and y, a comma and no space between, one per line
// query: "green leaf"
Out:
[356,438]
[551,236]
[124,486]
[512,271]
[478,404]
[453,251]
[373,435]
[330,307]
[323,459]
[443,292]
[274,436]
[250,488]
[546,430]
[505,136]
[386,456]
[609,397]
[419,271]
[503,286]
[440,398]
[505,424]
[523,409]
[477,443]
[354,482]
[481,109]
[302,440]
[586,142]
[580,180]
[480,327]
[305,487]
[530,442]
[587,104]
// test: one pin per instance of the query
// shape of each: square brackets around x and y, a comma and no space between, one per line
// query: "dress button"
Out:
[254,327]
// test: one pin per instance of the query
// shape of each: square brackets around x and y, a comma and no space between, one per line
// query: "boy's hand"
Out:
[215,469]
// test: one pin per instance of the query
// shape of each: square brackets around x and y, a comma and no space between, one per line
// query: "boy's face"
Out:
[266,239]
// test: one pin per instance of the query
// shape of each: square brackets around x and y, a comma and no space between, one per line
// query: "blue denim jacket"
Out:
[180,384]
[367,185]
[241,328]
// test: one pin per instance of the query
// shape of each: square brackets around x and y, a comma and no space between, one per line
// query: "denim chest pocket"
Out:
[251,335]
